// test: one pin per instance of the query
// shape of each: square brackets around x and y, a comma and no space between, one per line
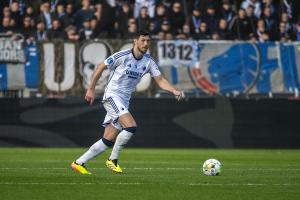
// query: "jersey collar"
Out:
[135,57]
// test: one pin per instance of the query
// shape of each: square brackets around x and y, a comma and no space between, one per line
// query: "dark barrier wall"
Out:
[196,123]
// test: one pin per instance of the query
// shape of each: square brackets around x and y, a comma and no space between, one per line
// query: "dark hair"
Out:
[141,33]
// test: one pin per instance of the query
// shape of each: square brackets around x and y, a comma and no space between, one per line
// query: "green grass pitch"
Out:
[175,174]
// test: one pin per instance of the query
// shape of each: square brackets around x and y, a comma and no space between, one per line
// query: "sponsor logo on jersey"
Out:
[133,74]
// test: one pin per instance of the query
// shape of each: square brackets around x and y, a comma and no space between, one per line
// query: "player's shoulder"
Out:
[122,53]
[149,57]
[116,56]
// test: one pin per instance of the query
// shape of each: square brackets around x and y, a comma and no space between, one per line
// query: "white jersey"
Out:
[126,72]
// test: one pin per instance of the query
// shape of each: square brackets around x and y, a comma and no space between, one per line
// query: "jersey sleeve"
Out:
[110,62]
[154,71]
[114,60]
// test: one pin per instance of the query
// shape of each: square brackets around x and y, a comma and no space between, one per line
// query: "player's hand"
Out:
[90,96]
[179,95]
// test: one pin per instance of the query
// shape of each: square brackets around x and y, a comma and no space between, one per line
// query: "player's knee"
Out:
[131,129]
[107,142]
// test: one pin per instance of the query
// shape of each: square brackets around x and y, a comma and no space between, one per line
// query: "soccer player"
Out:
[126,69]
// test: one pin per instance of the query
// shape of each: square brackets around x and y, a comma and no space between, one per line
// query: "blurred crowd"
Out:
[255,20]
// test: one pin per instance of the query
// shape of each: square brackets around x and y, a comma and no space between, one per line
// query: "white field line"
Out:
[151,168]
[53,183]
[242,184]
[139,183]
[94,168]
[62,160]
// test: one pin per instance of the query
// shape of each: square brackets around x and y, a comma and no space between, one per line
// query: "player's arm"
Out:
[90,93]
[165,85]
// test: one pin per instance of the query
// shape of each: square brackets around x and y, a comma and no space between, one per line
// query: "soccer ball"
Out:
[211,167]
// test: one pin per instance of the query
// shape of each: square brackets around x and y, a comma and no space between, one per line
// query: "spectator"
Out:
[215,36]
[285,18]
[15,13]
[19,4]
[273,9]
[122,19]
[59,11]
[84,13]
[106,24]
[72,34]
[226,11]
[283,34]
[30,12]
[3,4]
[161,14]
[56,32]
[286,6]
[176,17]
[150,4]
[41,33]
[270,21]
[223,30]
[195,21]
[22,4]
[36,6]
[13,25]
[152,29]
[255,3]
[240,26]
[165,31]
[86,33]
[185,34]
[143,20]
[6,27]
[252,38]
[67,19]
[252,18]
[211,18]
[262,33]
[203,33]
[6,12]
[26,29]
[45,15]
[132,29]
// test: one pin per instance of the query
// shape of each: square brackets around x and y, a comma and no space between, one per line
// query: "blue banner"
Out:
[233,67]
[19,65]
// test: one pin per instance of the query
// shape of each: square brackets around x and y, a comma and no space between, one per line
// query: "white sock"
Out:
[122,139]
[96,149]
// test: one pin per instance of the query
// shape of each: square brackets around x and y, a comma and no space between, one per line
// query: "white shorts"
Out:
[114,108]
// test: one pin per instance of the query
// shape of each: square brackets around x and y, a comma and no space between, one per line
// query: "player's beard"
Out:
[142,51]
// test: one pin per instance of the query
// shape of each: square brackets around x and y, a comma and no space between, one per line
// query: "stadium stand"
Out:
[255,20]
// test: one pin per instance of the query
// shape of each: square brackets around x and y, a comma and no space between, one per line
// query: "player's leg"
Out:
[110,134]
[123,120]
[129,127]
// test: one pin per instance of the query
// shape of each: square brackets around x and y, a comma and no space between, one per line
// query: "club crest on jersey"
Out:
[133,74]
[110,60]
